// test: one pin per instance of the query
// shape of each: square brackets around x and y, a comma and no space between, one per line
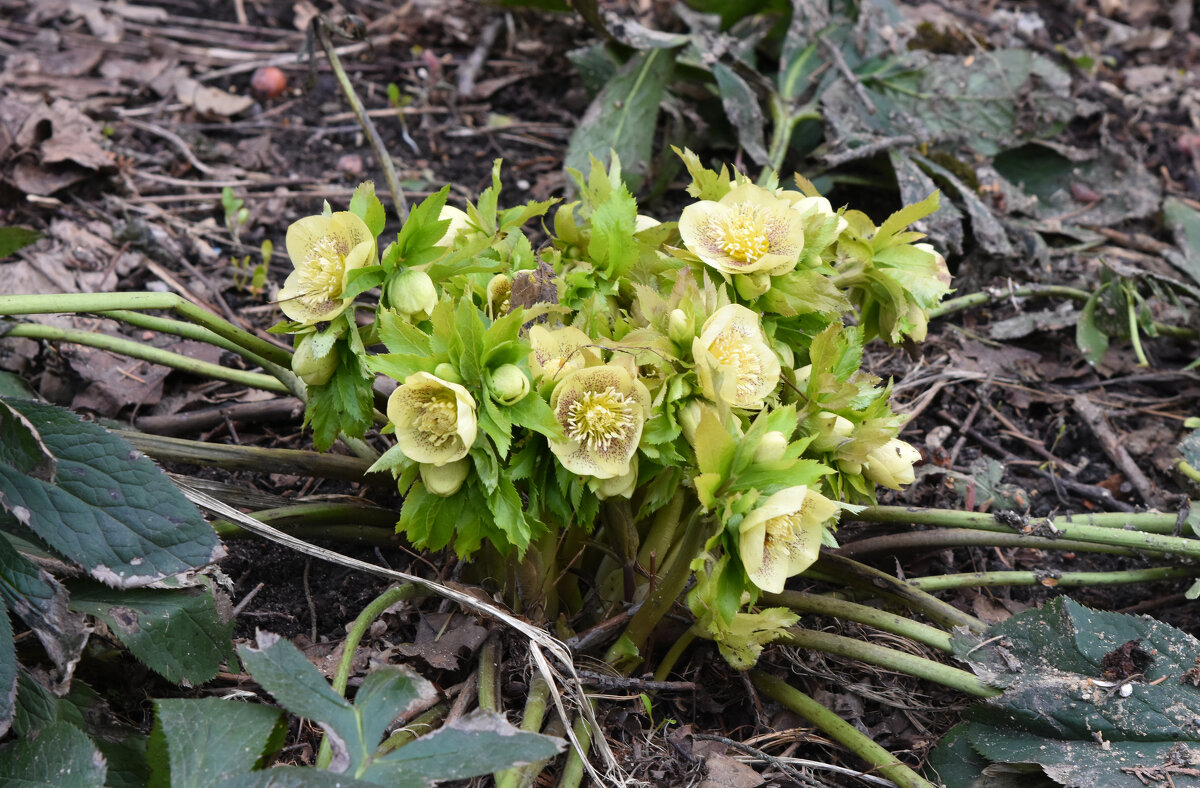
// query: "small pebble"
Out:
[351,164]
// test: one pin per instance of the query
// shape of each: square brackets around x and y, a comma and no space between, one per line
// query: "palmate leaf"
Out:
[343,405]
[1064,669]
[109,509]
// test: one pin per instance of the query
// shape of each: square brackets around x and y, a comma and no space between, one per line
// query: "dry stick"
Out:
[1037,446]
[175,140]
[192,421]
[789,770]
[470,69]
[1094,417]
[321,27]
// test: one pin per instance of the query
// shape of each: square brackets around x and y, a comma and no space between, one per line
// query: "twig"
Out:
[321,28]
[1111,444]
[283,409]
[175,140]
[470,69]
[843,68]
[867,150]
[637,685]
[787,769]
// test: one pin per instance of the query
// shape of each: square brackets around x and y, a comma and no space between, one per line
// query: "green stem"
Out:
[489,657]
[345,533]
[418,726]
[359,628]
[858,575]
[902,661]
[845,734]
[332,521]
[667,664]
[1106,529]
[53,303]
[662,597]
[531,721]
[128,347]
[1134,332]
[1056,579]
[364,120]
[256,458]
[852,611]
[572,773]
[939,538]
[180,328]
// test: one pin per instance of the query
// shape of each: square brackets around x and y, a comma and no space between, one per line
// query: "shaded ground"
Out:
[120,126]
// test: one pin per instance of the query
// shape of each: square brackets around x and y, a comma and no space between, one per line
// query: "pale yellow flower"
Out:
[434,418]
[460,223]
[891,465]
[558,351]
[445,480]
[618,486]
[324,250]
[814,208]
[602,411]
[782,536]
[749,230]
[733,359]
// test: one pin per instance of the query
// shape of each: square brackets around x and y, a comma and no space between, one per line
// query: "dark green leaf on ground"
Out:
[62,756]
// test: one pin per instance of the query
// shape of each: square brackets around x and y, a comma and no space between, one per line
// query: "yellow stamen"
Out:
[732,351]
[322,271]
[437,417]
[743,233]
[598,418]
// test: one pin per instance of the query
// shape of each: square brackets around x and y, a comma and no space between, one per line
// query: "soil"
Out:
[146,213]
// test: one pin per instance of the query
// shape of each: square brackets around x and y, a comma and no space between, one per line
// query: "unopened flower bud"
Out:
[802,376]
[447,372]
[680,327]
[891,465]
[412,294]
[445,480]
[772,447]
[510,384]
[850,467]
[498,291]
[618,486]
[751,286]
[832,431]
[312,370]
[689,420]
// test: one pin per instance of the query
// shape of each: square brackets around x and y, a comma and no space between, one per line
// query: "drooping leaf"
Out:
[178,633]
[468,747]
[366,206]
[623,117]
[209,739]
[110,509]
[62,756]
[742,109]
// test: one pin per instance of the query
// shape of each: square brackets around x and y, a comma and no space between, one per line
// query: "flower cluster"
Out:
[630,376]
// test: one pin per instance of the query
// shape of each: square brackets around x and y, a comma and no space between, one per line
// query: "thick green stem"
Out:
[364,120]
[128,347]
[181,328]
[667,663]
[662,597]
[939,538]
[852,573]
[53,303]
[852,611]
[359,628]
[890,658]
[1054,579]
[531,720]
[337,522]
[882,762]
[489,660]
[256,458]
[418,726]
[572,773]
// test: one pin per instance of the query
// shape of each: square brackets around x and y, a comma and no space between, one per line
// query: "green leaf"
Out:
[612,246]
[111,510]
[293,777]
[423,229]
[955,763]
[743,111]
[22,447]
[176,632]
[366,206]
[891,227]
[126,758]
[470,746]
[360,280]
[401,336]
[623,117]
[385,693]
[429,521]
[8,671]
[343,405]
[1089,338]
[40,601]
[1064,669]
[13,239]
[209,739]
[62,756]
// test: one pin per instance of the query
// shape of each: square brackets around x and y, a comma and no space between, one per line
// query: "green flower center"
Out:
[598,418]
[734,353]
[743,233]
[437,417]
[322,272]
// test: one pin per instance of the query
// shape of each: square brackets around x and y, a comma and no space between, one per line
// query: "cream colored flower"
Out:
[558,351]
[459,223]
[814,208]
[445,480]
[733,359]
[747,231]
[891,465]
[618,486]
[324,250]
[435,419]
[782,536]
[602,411]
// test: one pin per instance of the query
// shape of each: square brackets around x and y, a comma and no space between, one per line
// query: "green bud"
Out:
[689,420]
[447,372]
[312,370]
[680,327]
[771,448]
[510,384]
[751,286]
[445,480]
[412,294]
[832,431]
